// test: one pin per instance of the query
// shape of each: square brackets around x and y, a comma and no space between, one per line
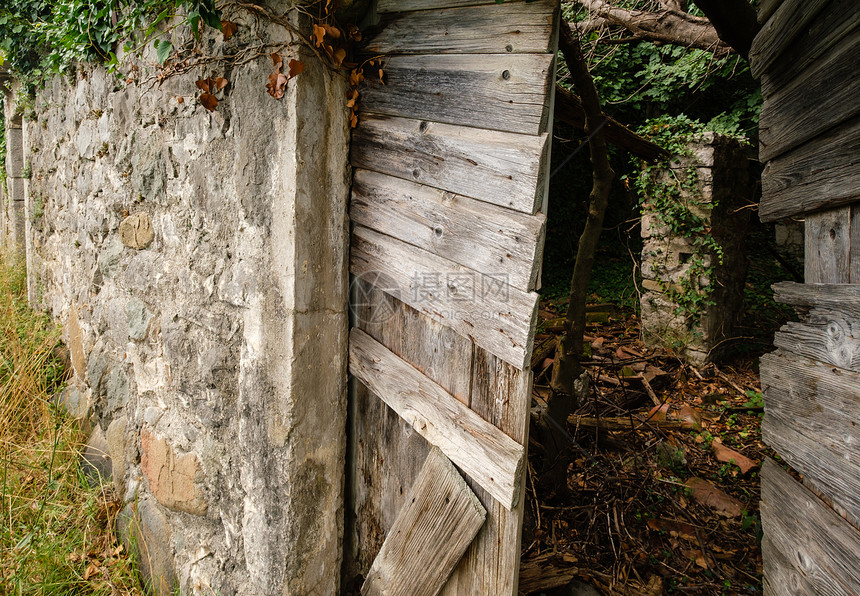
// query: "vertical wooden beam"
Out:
[828,246]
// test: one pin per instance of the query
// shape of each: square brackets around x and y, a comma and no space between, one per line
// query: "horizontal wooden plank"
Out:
[495,315]
[835,296]
[507,92]
[440,520]
[495,167]
[383,6]
[779,31]
[823,173]
[820,545]
[482,237]
[824,96]
[827,246]
[490,457]
[512,27]
[834,341]
[823,32]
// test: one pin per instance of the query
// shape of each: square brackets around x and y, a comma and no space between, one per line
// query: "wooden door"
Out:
[451,157]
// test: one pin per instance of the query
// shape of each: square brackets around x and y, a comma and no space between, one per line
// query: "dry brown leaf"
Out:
[709,495]
[208,101]
[331,31]
[277,60]
[90,571]
[297,67]
[180,99]
[380,76]
[674,528]
[220,83]
[728,455]
[354,32]
[228,28]
[204,85]
[339,56]
[318,35]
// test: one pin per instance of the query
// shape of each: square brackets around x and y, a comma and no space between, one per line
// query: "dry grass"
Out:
[56,531]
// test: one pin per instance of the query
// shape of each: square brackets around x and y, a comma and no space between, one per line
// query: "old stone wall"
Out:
[198,262]
[12,216]
[693,260]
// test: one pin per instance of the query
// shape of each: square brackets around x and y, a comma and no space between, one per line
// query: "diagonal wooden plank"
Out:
[434,529]
[486,454]
[476,235]
[501,168]
[482,307]
[507,92]
[779,31]
[384,6]
[512,27]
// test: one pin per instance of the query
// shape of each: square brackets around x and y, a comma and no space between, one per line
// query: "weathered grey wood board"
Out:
[496,316]
[825,30]
[822,97]
[490,457]
[495,167]
[789,19]
[827,248]
[476,235]
[780,576]
[824,172]
[508,92]
[512,27]
[821,546]
[434,529]
[384,6]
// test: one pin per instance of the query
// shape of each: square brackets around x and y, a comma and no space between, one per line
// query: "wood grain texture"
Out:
[828,246]
[512,27]
[822,173]
[385,452]
[780,576]
[823,32]
[833,296]
[780,30]
[824,95]
[766,8]
[835,341]
[854,257]
[820,545]
[495,167]
[494,315]
[501,394]
[434,529]
[482,237]
[486,454]
[820,404]
[384,6]
[507,92]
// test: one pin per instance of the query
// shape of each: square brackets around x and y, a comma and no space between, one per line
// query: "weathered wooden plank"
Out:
[843,297]
[854,234]
[486,454]
[823,173]
[385,452]
[820,545]
[434,529]
[766,8]
[482,237]
[495,167]
[822,97]
[828,27]
[835,341]
[384,6]
[506,92]
[496,316]
[780,30]
[828,246]
[512,27]
[501,394]
[781,577]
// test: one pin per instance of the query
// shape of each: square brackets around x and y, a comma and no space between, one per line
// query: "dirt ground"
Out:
[662,490]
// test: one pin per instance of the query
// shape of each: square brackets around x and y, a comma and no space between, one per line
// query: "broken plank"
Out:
[482,237]
[384,6]
[507,92]
[484,308]
[440,519]
[495,167]
[821,545]
[824,95]
[828,246]
[486,454]
[512,27]
[780,30]
[825,172]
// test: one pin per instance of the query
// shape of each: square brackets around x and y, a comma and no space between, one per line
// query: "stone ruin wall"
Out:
[197,260]
[721,193]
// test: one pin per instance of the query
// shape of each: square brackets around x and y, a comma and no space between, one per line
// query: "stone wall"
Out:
[694,296]
[12,217]
[198,262]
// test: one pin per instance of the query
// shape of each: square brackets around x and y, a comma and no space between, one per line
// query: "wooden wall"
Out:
[450,157]
[807,57]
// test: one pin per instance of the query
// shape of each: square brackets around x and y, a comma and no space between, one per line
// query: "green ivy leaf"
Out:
[162,49]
